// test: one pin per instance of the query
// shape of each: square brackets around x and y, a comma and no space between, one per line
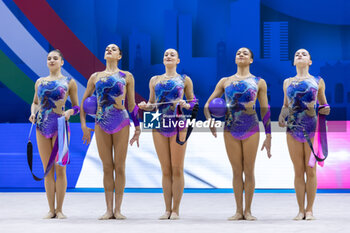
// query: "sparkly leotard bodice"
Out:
[169,91]
[108,117]
[302,96]
[240,121]
[50,93]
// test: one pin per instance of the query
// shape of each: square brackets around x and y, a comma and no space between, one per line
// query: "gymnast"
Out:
[241,132]
[48,105]
[166,94]
[112,125]
[300,95]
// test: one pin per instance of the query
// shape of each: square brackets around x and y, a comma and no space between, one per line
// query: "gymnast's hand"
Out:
[185,105]
[281,122]
[136,137]
[32,118]
[282,117]
[86,134]
[267,145]
[144,106]
[212,129]
[325,110]
[68,113]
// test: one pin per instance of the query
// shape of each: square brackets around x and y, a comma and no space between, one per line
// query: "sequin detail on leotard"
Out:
[49,93]
[169,91]
[109,118]
[238,94]
[301,95]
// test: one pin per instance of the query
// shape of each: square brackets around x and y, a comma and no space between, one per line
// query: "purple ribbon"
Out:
[320,146]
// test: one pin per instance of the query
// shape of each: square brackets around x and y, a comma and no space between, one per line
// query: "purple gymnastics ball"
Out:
[90,105]
[217,107]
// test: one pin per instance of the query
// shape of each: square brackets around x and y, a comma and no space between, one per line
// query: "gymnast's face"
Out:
[171,57]
[54,60]
[243,57]
[302,58]
[112,52]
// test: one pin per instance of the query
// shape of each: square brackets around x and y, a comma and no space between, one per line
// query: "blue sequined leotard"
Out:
[169,91]
[49,93]
[108,117]
[302,98]
[238,94]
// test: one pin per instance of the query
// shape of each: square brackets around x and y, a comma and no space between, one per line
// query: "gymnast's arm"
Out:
[265,115]
[88,92]
[264,107]
[190,97]
[322,98]
[73,94]
[35,105]
[133,109]
[285,108]
[152,96]
[218,92]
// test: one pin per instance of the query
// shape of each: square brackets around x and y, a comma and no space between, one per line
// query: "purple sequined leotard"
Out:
[301,95]
[238,94]
[109,118]
[169,91]
[49,93]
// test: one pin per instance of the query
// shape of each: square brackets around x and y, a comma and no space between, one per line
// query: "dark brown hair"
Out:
[178,55]
[251,53]
[296,52]
[59,53]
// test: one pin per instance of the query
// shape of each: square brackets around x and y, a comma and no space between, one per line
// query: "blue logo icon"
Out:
[151,120]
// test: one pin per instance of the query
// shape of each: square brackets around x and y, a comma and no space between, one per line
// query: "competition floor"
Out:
[200,212]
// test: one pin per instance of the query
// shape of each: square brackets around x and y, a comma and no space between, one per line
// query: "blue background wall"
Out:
[207,33]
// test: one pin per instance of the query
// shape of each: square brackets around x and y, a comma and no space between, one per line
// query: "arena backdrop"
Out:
[207,34]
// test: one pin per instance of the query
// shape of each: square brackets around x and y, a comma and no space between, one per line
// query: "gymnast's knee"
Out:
[310,173]
[108,170]
[237,174]
[61,172]
[249,175]
[166,172]
[177,171]
[119,170]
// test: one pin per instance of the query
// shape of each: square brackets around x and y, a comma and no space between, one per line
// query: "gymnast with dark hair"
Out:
[301,93]
[241,132]
[112,125]
[166,95]
[48,105]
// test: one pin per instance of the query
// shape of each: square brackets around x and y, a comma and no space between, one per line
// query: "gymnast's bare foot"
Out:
[106,216]
[300,216]
[309,216]
[237,216]
[166,215]
[119,216]
[60,215]
[50,215]
[174,216]
[248,216]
